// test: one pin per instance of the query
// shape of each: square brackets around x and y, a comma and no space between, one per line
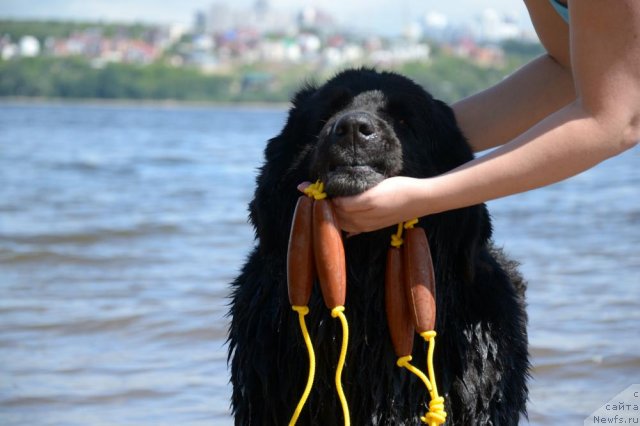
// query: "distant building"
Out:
[312,18]
[261,7]
[29,46]
[200,22]
[221,18]
[175,32]
[436,26]
[494,26]
[9,51]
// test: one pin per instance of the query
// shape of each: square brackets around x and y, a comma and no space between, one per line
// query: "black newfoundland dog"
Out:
[357,129]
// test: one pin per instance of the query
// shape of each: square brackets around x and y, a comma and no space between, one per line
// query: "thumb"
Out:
[304,185]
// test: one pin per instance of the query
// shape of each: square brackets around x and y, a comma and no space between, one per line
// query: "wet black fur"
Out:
[481,352]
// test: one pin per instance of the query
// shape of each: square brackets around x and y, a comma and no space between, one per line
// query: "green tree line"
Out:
[76,78]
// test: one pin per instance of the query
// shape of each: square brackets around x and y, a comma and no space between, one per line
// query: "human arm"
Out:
[602,121]
[500,113]
[505,110]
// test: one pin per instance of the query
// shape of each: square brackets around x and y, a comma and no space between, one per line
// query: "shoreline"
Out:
[123,102]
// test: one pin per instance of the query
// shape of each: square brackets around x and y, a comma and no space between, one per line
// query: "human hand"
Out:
[393,200]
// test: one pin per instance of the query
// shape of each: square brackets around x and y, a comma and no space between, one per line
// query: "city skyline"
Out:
[381,16]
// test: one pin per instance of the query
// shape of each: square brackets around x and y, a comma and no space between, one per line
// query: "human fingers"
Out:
[386,204]
[355,222]
[354,203]
[302,186]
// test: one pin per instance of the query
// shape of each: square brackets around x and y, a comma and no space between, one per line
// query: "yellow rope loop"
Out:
[428,335]
[436,415]
[316,190]
[302,311]
[337,312]
[410,223]
[396,239]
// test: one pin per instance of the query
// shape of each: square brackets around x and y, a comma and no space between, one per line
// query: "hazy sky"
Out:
[386,15]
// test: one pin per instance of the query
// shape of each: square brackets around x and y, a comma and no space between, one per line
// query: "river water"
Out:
[122,226]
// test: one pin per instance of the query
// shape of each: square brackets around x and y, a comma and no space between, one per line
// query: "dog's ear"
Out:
[476,233]
[293,130]
[458,238]
[450,146]
[304,94]
[464,231]
[276,194]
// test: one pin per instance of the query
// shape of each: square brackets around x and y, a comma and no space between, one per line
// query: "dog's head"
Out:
[359,145]
[359,128]
[367,126]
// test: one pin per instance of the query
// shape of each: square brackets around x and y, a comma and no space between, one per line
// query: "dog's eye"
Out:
[403,124]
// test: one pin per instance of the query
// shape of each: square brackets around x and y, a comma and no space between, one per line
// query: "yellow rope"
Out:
[316,190]
[302,311]
[405,362]
[410,223]
[436,415]
[338,312]
[396,239]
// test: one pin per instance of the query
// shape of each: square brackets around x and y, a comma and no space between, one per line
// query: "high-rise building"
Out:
[221,18]
[261,7]
[200,22]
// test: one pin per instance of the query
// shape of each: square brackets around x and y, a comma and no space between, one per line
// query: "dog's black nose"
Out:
[353,126]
